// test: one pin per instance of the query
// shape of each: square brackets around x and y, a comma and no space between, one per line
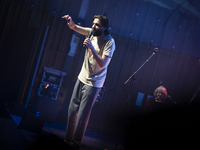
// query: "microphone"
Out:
[89,37]
[171,99]
[155,50]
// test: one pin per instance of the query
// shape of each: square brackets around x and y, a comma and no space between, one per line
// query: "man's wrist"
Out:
[71,25]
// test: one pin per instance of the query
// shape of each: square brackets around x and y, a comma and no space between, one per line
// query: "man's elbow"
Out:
[103,65]
[104,62]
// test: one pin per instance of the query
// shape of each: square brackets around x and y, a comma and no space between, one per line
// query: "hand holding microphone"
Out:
[87,41]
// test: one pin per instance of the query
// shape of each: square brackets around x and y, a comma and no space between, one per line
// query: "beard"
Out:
[97,32]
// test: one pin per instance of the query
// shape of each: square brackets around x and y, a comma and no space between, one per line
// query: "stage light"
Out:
[46,86]
[47,90]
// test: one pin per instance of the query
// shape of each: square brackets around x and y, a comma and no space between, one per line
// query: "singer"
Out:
[100,47]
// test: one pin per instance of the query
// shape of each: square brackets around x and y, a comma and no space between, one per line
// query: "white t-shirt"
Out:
[91,73]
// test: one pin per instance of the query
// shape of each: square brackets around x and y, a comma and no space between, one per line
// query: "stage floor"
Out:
[178,127]
[52,135]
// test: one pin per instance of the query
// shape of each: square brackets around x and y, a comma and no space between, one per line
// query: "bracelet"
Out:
[71,25]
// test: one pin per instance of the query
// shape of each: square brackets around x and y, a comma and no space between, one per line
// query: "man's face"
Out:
[97,27]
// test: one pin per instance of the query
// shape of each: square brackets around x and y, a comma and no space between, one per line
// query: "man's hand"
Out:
[88,43]
[70,23]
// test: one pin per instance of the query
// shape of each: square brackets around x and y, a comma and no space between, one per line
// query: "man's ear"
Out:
[104,28]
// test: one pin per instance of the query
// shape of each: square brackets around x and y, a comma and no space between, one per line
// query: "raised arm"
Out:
[74,26]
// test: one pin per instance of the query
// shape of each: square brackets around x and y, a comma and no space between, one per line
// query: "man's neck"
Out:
[100,37]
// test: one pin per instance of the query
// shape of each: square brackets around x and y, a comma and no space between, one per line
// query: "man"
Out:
[99,50]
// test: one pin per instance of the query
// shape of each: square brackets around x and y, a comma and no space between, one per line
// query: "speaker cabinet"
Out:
[31,123]
[49,111]
[17,109]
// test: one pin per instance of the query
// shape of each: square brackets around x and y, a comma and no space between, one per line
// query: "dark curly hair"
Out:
[104,22]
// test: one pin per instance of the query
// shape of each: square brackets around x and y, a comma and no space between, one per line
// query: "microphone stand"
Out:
[193,97]
[130,93]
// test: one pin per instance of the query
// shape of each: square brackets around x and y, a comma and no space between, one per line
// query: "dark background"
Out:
[138,26]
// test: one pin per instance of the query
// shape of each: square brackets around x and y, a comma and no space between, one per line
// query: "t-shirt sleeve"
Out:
[109,48]
[89,30]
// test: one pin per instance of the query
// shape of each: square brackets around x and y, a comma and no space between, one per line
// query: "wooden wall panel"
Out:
[18,19]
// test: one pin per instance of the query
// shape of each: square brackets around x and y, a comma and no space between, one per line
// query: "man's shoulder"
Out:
[109,37]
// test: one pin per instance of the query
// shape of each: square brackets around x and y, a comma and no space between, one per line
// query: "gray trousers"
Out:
[82,101]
